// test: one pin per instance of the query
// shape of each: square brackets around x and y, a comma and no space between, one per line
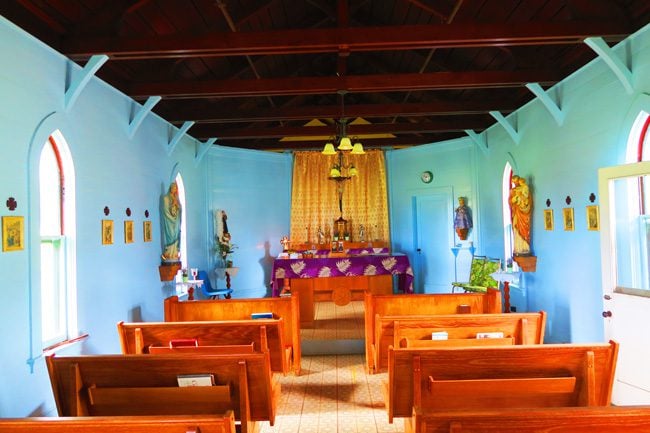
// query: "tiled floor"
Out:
[333,394]
[333,322]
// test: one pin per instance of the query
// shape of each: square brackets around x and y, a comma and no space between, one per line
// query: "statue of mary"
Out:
[171,224]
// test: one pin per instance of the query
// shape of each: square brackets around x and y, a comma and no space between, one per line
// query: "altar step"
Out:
[333,347]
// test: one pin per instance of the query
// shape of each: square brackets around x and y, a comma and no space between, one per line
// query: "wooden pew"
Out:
[108,385]
[462,329]
[610,419]
[224,423]
[267,335]
[468,378]
[287,308]
[379,335]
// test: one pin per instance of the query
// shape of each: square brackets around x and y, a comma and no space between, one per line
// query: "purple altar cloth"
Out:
[366,264]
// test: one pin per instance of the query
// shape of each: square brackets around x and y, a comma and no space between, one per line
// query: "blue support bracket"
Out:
[177,137]
[514,134]
[202,149]
[142,113]
[614,62]
[76,86]
[480,140]
[549,103]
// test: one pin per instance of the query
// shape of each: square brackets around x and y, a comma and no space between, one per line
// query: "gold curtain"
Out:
[315,201]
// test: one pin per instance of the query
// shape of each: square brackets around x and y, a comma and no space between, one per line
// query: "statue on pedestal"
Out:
[521,205]
[171,224]
[462,219]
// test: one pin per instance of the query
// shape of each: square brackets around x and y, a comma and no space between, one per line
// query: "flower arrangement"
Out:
[225,248]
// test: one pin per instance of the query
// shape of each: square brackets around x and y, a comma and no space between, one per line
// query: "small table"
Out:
[188,286]
[226,273]
[506,278]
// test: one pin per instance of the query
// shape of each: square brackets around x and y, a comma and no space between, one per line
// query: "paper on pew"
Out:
[195,379]
[489,335]
[439,335]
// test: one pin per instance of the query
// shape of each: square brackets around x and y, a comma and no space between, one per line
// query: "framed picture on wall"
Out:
[548,219]
[107,232]
[593,218]
[13,233]
[128,231]
[146,231]
[567,216]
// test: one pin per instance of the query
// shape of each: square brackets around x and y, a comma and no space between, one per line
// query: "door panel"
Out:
[434,239]
[624,255]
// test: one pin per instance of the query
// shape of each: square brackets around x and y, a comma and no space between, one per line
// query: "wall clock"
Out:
[426,176]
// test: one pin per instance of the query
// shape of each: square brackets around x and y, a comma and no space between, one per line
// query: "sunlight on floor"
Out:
[332,395]
[333,322]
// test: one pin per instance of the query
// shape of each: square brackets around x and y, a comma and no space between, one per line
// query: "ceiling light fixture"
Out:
[339,170]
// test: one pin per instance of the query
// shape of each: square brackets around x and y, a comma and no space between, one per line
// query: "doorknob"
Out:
[607,297]
[607,314]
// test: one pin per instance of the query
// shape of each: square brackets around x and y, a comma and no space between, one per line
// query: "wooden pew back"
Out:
[122,424]
[267,335]
[286,308]
[379,336]
[610,419]
[462,329]
[468,378]
[103,385]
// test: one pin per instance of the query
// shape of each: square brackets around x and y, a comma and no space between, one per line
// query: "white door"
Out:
[434,238]
[625,255]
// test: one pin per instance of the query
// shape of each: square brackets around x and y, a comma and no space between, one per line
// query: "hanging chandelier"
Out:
[339,170]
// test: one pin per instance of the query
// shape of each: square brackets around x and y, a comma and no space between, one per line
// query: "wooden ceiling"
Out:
[250,72]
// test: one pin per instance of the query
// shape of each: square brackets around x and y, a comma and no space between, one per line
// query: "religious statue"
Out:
[362,233]
[171,224]
[285,242]
[321,236]
[462,219]
[521,205]
[223,238]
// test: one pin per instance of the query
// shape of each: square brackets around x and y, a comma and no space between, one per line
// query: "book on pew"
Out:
[440,335]
[489,335]
[267,315]
[195,380]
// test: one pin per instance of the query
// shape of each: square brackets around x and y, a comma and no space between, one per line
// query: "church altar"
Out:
[340,279]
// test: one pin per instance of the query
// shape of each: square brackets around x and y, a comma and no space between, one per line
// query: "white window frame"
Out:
[66,310]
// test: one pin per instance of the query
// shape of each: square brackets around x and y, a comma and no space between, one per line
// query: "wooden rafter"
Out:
[319,40]
[350,83]
[200,114]
[217,130]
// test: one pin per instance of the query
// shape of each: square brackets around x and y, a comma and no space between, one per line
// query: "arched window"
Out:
[507,217]
[57,238]
[181,199]
[631,224]
[637,145]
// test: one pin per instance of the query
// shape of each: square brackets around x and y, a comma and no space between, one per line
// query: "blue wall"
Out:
[558,161]
[120,282]
[254,188]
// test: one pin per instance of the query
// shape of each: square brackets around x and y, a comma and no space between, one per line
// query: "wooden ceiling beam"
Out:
[349,83]
[319,40]
[368,143]
[203,114]
[455,125]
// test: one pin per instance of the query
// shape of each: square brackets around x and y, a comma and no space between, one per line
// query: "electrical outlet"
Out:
[513,309]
